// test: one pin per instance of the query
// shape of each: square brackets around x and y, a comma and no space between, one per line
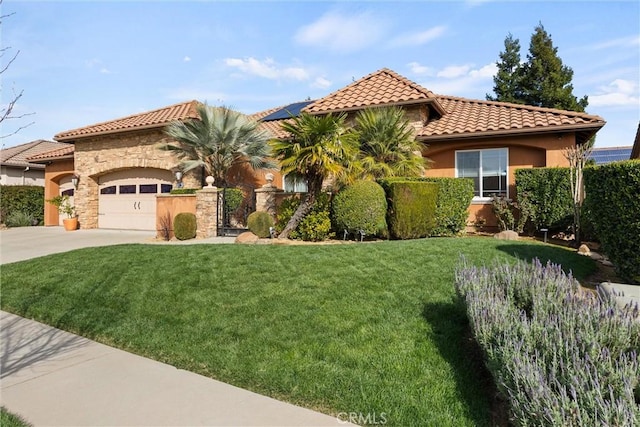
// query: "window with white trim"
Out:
[488,169]
[294,184]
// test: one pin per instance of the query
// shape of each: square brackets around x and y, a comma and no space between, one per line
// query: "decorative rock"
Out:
[595,256]
[606,262]
[247,238]
[507,235]
[584,250]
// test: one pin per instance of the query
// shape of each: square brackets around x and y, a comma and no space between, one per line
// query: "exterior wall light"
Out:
[74,180]
[179,178]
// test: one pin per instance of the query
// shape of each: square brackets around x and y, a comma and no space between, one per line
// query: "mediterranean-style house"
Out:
[119,169]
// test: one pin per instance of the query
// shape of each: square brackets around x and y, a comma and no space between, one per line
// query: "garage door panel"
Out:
[128,198]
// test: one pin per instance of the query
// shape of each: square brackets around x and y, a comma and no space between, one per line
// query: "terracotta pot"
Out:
[70,224]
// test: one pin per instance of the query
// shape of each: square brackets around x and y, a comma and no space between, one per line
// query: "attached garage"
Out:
[127,198]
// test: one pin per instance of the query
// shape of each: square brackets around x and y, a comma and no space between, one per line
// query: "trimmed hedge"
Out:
[452,206]
[613,199]
[454,198]
[259,223]
[548,191]
[361,207]
[183,191]
[26,199]
[412,207]
[184,226]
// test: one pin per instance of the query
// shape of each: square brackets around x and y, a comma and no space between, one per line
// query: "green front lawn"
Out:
[369,328]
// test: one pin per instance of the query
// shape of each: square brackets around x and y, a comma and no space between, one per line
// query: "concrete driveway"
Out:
[18,244]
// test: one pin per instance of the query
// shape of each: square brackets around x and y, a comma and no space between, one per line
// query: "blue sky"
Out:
[85,62]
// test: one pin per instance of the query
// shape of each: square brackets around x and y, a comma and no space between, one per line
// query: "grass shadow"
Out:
[582,266]
[451,333]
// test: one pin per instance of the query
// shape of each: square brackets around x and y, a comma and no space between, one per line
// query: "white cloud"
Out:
[267,69]
[342,33]
[630,41]
[617,93]
[453,71]
[321,83]
[488,71]
[186,59]
[417,68]
[462,80]
[419,38]
[95,63]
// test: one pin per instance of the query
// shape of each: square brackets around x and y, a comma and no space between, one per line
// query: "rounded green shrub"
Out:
[361,207]
[259,223]
[184,226]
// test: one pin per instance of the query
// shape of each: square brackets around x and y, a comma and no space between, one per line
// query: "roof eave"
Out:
[433,102]
[53,159]
[22,165]
[74,138]
[591,129]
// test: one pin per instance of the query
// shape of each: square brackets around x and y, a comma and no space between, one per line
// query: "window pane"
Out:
[468,163]
[494,173]
[166,188]
[148,188]
[68,192]
[293,185]
[108,190]
[128,189]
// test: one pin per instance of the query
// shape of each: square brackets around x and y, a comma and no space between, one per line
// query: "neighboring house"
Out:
[120,169]
[635,150]
[602,156]
[15,167]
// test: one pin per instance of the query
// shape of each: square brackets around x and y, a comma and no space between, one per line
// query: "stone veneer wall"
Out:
[99,155]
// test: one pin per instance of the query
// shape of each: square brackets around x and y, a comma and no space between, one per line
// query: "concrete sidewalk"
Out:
[51,377]
[19,244]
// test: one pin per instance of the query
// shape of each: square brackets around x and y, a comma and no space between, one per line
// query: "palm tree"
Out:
[387,144]
[318,147]
[221,139]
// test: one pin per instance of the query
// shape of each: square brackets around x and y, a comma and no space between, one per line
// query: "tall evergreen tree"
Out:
[542,80]
[546,82]
[507,87]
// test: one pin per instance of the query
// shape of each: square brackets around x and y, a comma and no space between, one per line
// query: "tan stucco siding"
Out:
[545,150]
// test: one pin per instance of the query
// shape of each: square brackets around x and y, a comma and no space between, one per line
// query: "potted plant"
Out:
[63,204]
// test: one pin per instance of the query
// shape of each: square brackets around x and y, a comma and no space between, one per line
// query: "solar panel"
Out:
[607,155]
[291,110]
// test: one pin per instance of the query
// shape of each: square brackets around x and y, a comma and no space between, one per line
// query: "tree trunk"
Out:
[314,188]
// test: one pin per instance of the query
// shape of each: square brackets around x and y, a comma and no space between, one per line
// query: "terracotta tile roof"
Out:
[62,152]
[470,117]
[150,119]
[20,155]
[384,87]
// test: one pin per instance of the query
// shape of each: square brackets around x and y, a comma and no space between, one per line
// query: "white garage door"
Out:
[66,189]
[127,198]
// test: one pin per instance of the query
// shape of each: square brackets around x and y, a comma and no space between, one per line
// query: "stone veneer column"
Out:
[266,197]
[207,212]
